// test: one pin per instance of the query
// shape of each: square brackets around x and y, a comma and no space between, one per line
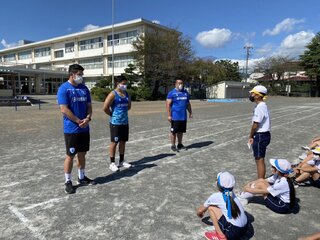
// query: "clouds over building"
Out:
[89,27]
[286,25]
[215,38]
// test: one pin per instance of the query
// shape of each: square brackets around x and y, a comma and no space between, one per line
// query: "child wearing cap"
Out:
[278,190]
[309,170]
[225,210]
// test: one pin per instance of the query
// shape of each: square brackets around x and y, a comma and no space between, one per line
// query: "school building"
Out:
[40,67]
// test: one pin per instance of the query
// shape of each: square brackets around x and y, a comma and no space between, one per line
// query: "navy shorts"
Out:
[276,204]
[178,126]
[260,143]
[231,231]
[77,142]
[119,133]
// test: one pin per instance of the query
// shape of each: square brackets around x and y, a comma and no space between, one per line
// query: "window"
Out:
[58,54]
[120,61]
[69,47]
[123,38]
[90,44]
[9,57]
[42,52]
[92,63]
[24,55]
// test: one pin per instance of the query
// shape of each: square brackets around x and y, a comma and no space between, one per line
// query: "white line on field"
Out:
[50,201]
[161,205]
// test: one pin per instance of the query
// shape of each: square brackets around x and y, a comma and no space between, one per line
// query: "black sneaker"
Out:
[173,148]
[180,146]
[69,188]
[86,181]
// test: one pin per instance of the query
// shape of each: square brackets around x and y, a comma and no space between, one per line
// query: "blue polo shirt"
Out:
[76,98]
[180,100]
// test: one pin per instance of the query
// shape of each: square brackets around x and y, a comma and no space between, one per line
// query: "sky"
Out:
[217,28]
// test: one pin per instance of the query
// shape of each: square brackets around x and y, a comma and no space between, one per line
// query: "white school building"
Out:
[40,67]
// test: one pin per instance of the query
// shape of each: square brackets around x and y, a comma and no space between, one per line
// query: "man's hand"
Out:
[169,118]
[84,123]
[190,115]
[250,141]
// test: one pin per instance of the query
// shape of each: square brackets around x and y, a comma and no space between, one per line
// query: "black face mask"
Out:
[251,98]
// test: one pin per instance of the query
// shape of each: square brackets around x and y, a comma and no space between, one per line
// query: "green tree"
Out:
[231,72]
[131,75]
[162,55]
[310,61]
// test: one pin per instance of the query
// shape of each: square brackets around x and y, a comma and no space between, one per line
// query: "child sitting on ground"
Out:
[225,210]
[278,190]
[309,170]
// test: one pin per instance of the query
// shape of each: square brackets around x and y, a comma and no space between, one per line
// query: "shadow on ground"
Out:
[137,166]
[199,144]
[260,200]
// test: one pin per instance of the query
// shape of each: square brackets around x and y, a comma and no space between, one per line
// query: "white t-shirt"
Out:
[279,188]
[315,163]
[216,199]
[261,115]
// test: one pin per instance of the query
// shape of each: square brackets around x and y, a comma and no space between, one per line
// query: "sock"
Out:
[121,157]
[81,173]
[67,176]
[112,159]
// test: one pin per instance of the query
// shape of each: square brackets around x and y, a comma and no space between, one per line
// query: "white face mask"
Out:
[78,79]
[180,87]
[123,87]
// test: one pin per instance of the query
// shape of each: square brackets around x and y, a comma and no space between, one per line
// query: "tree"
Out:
[231,70]
[310,61]
[132,77]
[162,55]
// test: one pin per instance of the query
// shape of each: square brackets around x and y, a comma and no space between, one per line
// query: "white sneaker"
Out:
[113,167]
[246,195]
[305,148]
[124,164]
[303,156]
[243,201]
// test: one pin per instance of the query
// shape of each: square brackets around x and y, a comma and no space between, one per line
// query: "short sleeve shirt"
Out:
[180,101]
[279,188]
[77,99]
[216,199]
[261,115]
[315,163]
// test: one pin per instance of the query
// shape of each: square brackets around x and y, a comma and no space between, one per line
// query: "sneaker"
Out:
[69,188]
[124,164]
[246,195]
[173,148]
[86,181]
[303,156]
[306,148]
[214,236]
[180,146]
[113,167]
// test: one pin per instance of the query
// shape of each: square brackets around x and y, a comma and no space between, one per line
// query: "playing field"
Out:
[157,198]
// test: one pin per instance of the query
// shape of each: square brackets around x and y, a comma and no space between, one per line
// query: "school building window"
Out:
[42,52]
[90,44]
[9,57]
[24,55]
[120,61]
[58,54]
[123,38]
[69,47]
[92,63]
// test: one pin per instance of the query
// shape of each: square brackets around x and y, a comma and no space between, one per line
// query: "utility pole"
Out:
[112,9]
[247,47]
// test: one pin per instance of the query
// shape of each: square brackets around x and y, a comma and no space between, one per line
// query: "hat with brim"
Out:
[259,90]
[226,180]
[316,151]
[282,165]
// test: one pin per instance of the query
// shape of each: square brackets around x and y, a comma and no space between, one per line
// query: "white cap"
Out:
[316,151]
[259,89]
[282,165]
[226,180]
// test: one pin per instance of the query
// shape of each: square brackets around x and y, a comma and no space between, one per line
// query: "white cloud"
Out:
[69,29]
[295,44]
[285,26]
[10,45]
[251,63]
[215,38]
[265,49]
[156,21]
[89,27]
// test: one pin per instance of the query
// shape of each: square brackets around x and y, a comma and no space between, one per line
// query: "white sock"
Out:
[67,176]
[81,173]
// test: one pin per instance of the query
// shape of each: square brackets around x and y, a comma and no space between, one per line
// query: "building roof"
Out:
[116,26]
[30,70]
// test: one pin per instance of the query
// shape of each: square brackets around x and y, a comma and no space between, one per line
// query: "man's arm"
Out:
[189,110]
[168,107]
[254,128]
[67,112]
[107,103]
[129,104]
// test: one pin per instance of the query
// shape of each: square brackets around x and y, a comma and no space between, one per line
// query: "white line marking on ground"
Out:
[161,205]
[25,221]
[50,201]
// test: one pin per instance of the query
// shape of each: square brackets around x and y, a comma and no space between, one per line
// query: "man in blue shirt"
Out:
[117,105]
[75,105]
[177,105]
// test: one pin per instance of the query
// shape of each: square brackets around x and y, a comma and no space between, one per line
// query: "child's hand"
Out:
[200,215]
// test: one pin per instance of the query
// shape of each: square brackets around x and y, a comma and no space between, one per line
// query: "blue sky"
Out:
[216,28]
